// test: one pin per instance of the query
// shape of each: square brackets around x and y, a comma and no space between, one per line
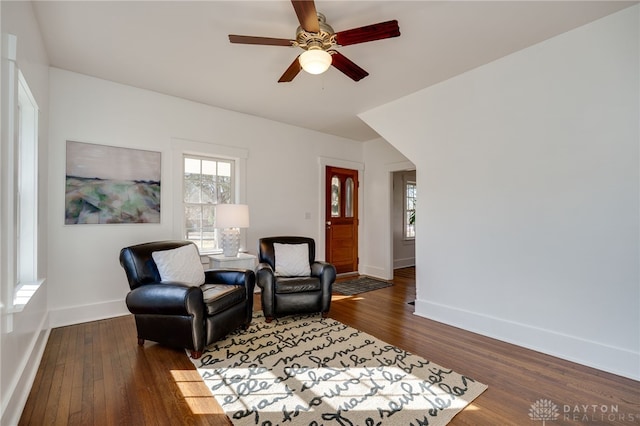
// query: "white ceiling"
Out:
[181,48]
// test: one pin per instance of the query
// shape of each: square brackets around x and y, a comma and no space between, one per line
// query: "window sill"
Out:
[23,294]
[209,252]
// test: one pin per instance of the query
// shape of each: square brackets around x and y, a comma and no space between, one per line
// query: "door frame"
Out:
[389,170]
[323,162]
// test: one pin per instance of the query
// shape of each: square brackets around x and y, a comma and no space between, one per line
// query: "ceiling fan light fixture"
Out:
[315,61]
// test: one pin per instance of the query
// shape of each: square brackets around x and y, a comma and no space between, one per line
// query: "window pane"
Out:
[224,190]
[208,192]
[335,197]
[192,165]
[192,188]
[209,167]
[192,218]
[348,195]
[411,231]
[411,190]
[208,229]
[224,169]
[411,203]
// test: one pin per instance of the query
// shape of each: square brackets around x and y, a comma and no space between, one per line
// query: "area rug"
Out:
[359,285]
[306,370]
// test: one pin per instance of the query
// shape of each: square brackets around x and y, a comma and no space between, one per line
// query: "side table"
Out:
[242,261]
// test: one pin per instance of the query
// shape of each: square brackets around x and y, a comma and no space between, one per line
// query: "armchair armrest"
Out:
[325,271]
[166,299]
[266,281]
[327,274]
[265,275]
[244,277]
[319,269]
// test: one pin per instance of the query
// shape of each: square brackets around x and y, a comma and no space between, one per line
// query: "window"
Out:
[410,197]
[27,186]
[22,201]
[207,181]
[19,175]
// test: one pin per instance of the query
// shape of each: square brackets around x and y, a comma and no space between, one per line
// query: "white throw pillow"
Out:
[180,265]
[292,260]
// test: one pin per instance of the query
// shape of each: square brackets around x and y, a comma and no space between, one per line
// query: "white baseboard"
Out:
[404,263]
[85,313]
[603,357]
[376,272]
[16,397]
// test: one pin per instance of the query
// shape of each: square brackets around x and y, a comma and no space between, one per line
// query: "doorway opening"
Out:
[403,225]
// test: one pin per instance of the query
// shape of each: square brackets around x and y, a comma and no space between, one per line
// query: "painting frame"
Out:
[107,184]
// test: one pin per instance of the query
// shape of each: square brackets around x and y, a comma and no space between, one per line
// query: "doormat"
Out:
[359,285]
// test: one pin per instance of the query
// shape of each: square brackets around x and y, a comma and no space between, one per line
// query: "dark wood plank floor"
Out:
[95,373]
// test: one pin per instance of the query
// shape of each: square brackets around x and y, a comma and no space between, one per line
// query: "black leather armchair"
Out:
[176,314]
[282,295]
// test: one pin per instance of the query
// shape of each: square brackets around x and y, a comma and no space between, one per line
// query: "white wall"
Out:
[376,248]
[23,334]
[282,180]
[528,170]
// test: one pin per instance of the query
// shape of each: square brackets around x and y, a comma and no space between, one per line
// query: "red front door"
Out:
[341,213]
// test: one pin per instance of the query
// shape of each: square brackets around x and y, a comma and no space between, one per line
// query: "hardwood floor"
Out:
[96,374]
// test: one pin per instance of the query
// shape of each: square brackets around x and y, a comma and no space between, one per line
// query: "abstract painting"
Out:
[108,184]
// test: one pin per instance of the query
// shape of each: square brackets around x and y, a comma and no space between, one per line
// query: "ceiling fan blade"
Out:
[291,72]
[345,65]
[368,33]
[242,39]
[307,15]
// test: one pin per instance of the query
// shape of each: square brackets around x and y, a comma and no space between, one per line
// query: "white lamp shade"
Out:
[232,216]
[315,61]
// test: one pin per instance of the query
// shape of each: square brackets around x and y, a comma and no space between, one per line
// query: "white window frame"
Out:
[180,148]
[186,204]
[19,178]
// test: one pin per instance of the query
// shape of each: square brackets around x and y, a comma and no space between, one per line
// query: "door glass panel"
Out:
[335,196]
[348,197]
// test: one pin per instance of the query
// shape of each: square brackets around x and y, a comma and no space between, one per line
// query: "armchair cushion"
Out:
[292,260]
[180,264]
[285,285]
[220,297]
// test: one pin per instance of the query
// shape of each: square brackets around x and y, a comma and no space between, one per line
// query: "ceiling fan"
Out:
[318,40]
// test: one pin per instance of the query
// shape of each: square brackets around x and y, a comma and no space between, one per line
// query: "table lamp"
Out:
[230,218]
